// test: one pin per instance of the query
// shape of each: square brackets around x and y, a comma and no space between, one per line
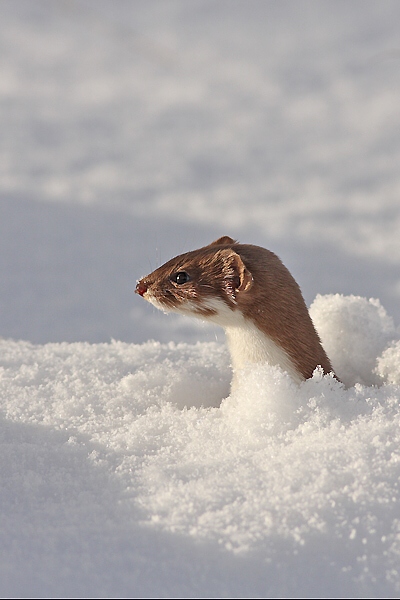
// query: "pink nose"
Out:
[141,288]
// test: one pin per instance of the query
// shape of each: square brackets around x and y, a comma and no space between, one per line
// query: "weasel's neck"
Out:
[249,345]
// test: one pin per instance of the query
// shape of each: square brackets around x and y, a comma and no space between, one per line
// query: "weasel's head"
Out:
[247,290]
[205,283]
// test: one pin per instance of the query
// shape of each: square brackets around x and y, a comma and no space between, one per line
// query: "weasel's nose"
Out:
[141,288]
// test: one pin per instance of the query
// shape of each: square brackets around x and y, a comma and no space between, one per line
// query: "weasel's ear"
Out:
[237,276]
[223,241]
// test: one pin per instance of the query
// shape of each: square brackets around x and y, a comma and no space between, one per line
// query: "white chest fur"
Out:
[249,345]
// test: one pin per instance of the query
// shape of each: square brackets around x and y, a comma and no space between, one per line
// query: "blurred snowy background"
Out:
[134,130]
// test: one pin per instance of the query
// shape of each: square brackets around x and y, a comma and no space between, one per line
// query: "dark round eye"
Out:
[180,277]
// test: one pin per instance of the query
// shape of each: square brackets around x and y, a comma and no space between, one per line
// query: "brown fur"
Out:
[249,279]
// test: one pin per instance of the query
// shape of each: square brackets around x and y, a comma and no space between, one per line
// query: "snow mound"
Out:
[128,470]
[388,364]
[354,332]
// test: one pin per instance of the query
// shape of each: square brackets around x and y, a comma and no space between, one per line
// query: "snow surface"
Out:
[133,131]
[126,470]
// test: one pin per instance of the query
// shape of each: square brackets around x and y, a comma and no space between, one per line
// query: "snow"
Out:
[354,332]
[129,470]
[134,131]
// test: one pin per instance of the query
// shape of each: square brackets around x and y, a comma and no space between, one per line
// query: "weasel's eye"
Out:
[180,277]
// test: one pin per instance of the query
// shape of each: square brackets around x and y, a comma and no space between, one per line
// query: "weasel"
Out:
[248,291]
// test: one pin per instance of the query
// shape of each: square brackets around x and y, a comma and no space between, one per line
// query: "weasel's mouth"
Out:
[182,307]
[156,302]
